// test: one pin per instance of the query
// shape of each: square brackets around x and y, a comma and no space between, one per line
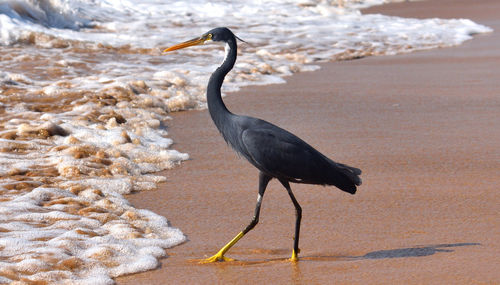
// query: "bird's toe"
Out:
[295,257]
[216,258]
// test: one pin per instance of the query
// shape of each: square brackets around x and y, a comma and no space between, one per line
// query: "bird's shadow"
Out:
[417,251]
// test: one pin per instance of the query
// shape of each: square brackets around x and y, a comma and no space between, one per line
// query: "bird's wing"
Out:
[282,154]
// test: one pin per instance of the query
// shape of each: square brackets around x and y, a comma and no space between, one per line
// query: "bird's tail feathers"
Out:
[347,178]
[351,172]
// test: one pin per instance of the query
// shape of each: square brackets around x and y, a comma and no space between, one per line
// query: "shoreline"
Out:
[408,121]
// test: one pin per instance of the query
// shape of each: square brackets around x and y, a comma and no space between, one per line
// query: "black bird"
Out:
[275,152]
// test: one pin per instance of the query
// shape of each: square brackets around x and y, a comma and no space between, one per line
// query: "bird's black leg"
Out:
[263,181]
[298,216]
[219,256]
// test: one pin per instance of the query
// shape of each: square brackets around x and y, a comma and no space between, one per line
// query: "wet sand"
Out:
[424,129]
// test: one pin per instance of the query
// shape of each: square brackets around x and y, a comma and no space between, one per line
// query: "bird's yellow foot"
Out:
[219,256]
[294,257]
[216,258]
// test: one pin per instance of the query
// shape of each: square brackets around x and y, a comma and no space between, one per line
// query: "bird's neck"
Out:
[216,106]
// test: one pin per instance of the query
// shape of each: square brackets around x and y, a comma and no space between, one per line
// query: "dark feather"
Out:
[283,155]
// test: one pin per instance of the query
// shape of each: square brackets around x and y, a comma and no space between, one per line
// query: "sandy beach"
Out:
[424,129]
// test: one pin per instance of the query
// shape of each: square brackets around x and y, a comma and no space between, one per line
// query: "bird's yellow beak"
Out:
[194,42]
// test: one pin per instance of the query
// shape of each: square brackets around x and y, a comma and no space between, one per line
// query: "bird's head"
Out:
[221,35]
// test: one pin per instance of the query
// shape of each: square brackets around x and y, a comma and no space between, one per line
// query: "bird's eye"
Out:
[209,36]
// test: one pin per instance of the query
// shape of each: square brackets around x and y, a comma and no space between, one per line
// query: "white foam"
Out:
[132,240]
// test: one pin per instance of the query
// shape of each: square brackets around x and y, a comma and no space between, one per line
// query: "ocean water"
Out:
[85,97]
